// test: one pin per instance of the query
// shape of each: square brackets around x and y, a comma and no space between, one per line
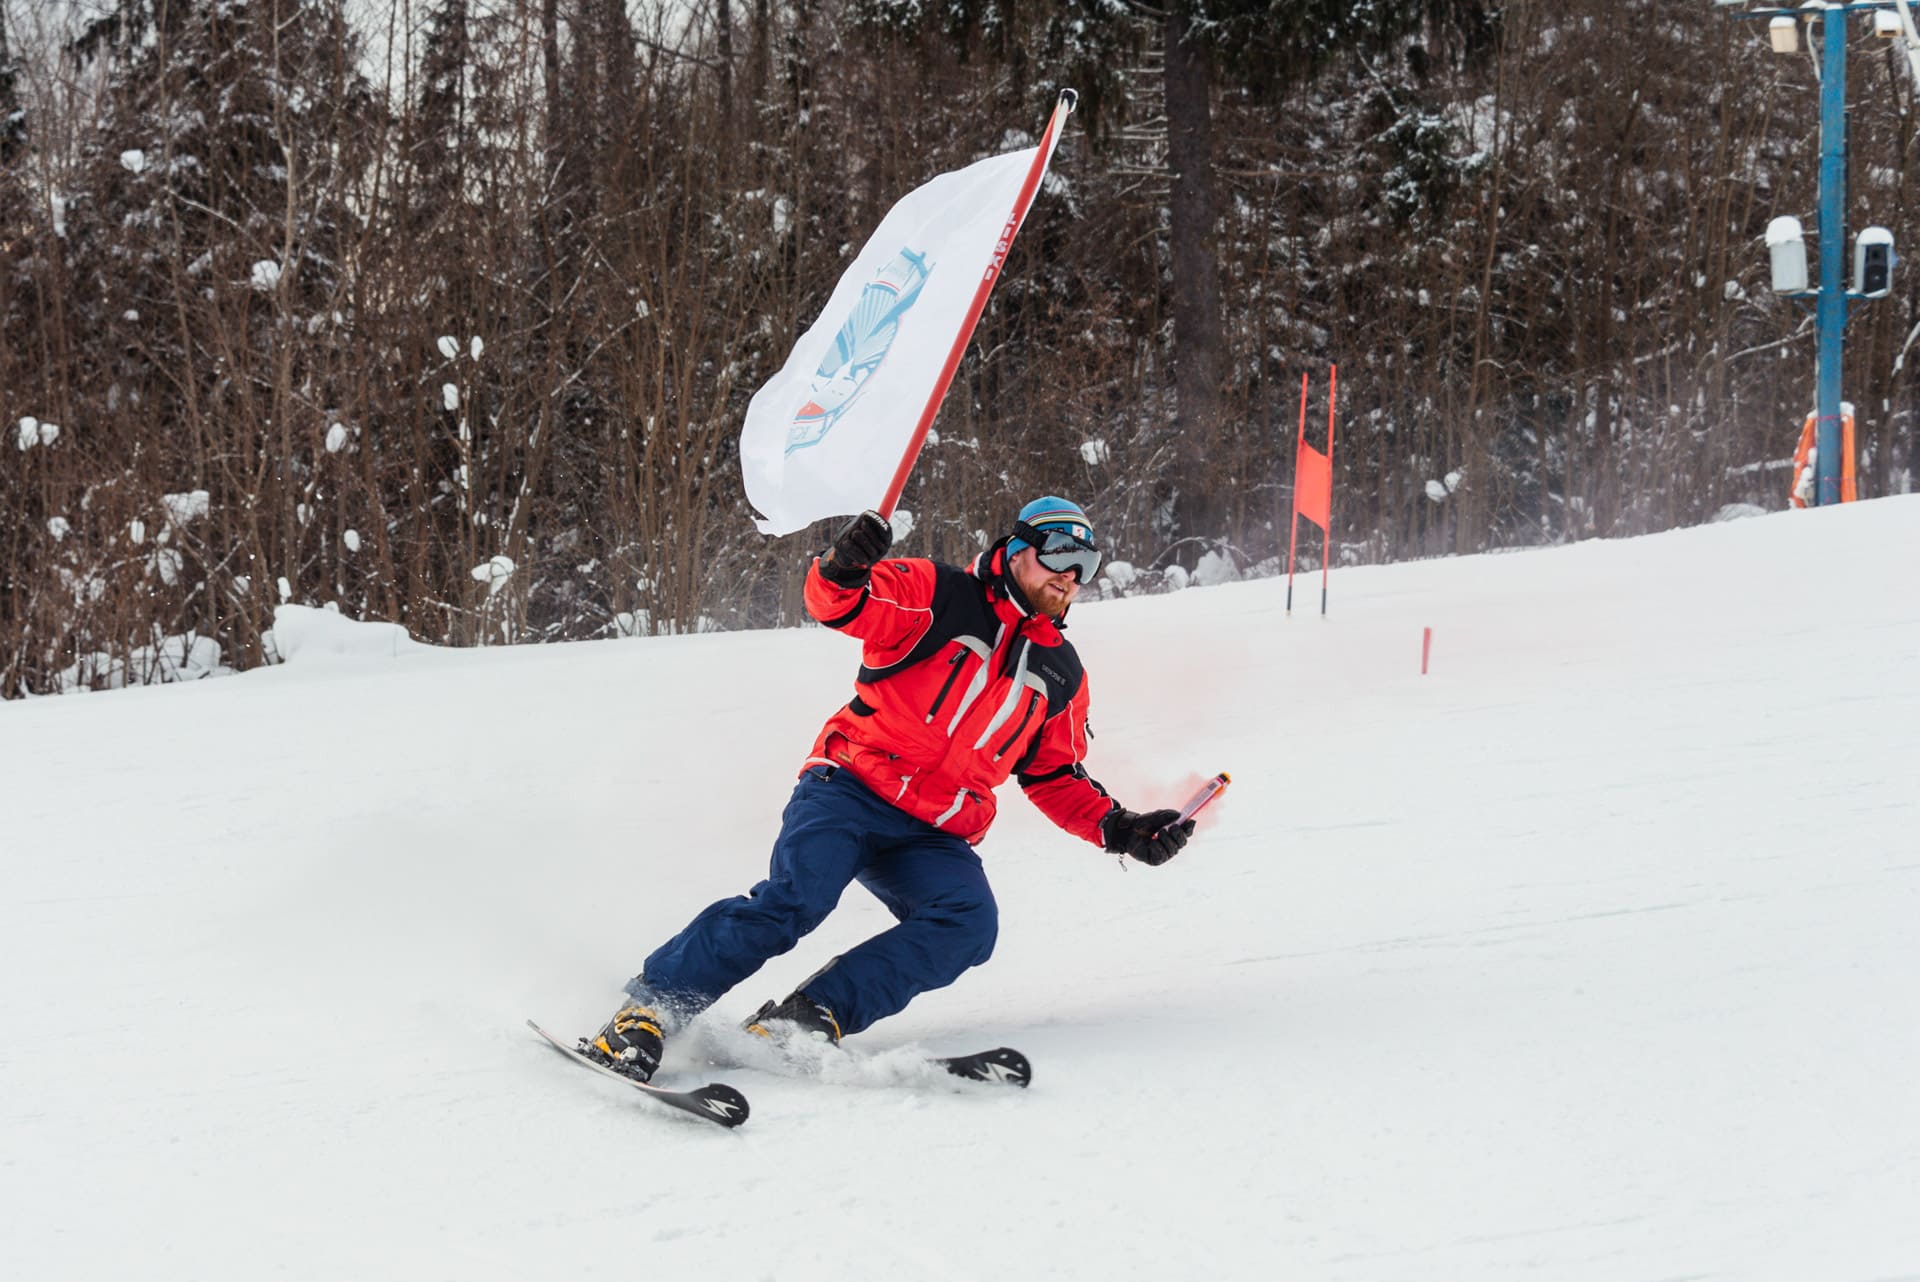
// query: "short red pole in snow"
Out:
[1426,648]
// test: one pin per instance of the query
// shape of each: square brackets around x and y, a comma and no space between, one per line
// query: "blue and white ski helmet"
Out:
[1053,513]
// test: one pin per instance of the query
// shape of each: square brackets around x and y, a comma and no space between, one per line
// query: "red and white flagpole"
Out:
[1062,108]
[1293,522]
[1326,533]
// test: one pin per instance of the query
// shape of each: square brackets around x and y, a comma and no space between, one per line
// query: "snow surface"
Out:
[1589,956]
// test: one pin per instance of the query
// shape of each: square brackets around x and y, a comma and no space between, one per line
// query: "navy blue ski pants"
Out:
[836,831]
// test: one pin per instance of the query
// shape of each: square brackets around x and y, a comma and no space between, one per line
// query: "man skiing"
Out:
[965,679]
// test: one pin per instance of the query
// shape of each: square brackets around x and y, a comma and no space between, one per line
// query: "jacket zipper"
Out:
[1033,697]
[977,686]
[952,676]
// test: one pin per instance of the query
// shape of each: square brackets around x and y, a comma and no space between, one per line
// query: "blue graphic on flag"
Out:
[859,347]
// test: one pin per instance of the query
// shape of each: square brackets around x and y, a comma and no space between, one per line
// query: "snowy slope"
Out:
[1590,955]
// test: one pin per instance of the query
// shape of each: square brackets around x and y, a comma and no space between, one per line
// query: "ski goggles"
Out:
[1060,551]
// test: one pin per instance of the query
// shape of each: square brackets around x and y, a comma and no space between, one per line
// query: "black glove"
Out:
[861,542]
[1152,838]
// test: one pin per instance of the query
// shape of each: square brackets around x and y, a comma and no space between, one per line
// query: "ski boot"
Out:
[631,1042]
[798,1016]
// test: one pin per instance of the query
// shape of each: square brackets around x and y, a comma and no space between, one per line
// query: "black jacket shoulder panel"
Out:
[960,608]
[1059,666]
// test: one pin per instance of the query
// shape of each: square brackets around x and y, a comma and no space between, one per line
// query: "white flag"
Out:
[824,436]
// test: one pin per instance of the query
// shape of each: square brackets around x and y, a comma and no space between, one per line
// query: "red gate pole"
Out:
[1293,521]
[1326,533]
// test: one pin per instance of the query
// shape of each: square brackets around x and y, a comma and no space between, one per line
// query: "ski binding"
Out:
[715,1102]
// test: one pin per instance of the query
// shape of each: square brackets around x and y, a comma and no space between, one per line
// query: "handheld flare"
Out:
[1208,791]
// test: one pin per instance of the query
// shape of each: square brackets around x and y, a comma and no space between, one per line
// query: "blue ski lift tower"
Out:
[1873,251]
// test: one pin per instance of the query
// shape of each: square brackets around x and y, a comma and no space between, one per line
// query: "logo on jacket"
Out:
[859,348]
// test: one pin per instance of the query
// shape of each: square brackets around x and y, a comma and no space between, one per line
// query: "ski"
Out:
[836,1065]
[715,1102]
[1003,1066]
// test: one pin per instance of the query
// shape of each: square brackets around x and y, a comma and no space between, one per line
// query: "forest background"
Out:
[447,312]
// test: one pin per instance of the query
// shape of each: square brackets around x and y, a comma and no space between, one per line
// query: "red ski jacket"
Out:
[959,687]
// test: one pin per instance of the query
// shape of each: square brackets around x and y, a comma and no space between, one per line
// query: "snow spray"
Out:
[1208,791]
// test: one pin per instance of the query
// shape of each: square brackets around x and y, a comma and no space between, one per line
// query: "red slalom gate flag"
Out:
[1313,489]
[1313,485]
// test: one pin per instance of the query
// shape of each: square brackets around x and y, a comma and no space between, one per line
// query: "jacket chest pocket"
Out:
[963,681]
[1033,701]
[954,665]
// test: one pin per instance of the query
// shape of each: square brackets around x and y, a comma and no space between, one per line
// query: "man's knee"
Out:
[977,922]
[787,906]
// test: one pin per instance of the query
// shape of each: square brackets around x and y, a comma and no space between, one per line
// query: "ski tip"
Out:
[1017,1069]
[1002,1066]
[721,1102]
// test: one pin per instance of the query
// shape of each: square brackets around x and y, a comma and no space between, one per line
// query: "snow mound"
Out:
[302,631]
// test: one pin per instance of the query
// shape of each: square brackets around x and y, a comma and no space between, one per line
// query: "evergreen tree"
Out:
[445,117]
[212,239]
[13,116]
[1264,49]
[18,536]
